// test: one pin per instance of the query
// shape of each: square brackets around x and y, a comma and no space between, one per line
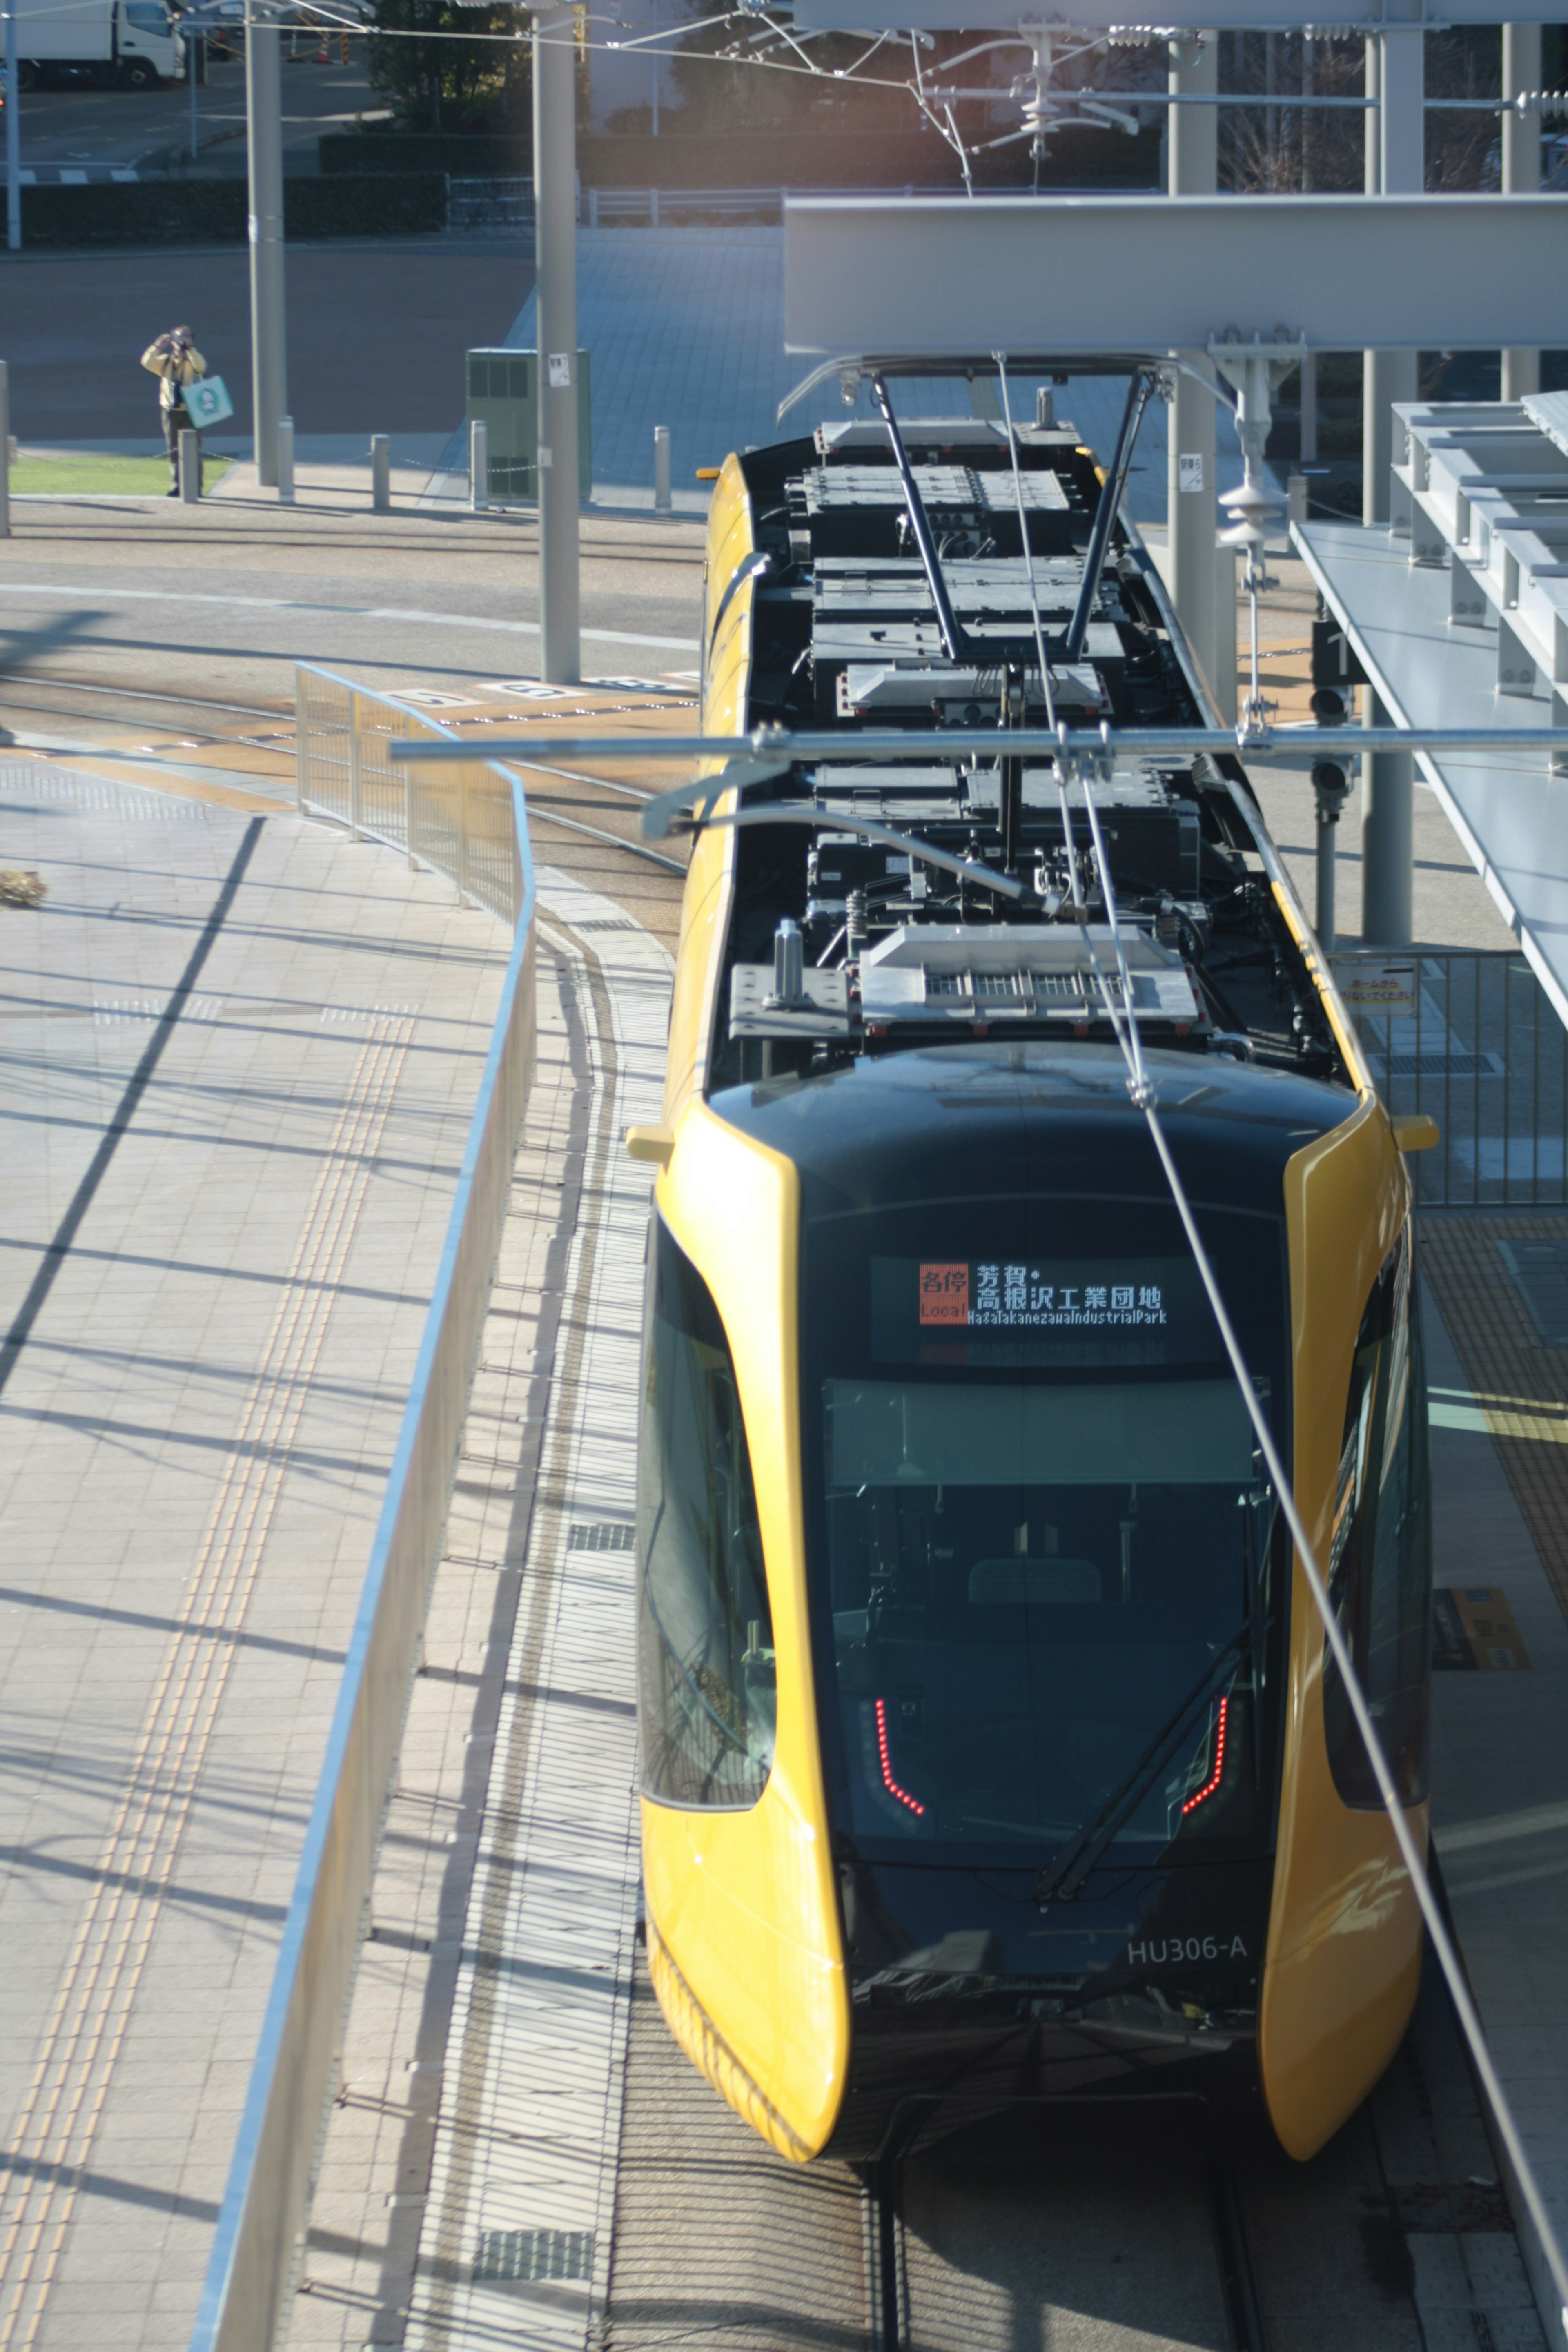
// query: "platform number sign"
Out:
[1189,469]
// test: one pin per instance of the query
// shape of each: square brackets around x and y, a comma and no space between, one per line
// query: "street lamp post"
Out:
[555,311]
[13,136]
[268,325]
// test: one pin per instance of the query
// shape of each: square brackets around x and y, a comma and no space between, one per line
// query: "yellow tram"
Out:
[990,1750]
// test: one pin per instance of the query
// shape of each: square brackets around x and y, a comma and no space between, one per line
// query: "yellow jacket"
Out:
[175,370]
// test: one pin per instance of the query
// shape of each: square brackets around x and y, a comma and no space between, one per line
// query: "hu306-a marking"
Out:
[1164,1951]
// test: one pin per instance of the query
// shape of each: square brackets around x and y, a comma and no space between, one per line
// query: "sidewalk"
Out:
[225,1214]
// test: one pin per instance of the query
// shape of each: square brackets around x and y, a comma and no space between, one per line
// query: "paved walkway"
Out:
[239,1060]
[468,2182]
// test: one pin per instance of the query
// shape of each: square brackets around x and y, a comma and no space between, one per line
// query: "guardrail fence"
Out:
[458,820]
[469,824]
[1474,1040]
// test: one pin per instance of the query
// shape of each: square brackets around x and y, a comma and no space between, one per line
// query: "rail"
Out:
[476,833]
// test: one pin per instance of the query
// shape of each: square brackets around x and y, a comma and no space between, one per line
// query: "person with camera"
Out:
[176,361]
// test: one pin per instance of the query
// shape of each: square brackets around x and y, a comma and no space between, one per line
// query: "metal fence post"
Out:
[380,473]
[662,500]
[463,835]
[190,469]
[301,739]
[355,781]
[479,465]
[408,812]
[285,461]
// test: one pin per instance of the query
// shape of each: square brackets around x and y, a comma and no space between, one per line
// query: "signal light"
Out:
[1211,1783]
[888,1782]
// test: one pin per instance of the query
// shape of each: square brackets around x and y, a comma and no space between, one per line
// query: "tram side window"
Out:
[705,1643]
[1380,1559]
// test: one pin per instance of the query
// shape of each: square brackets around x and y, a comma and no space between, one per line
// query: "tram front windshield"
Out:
[1045,1570]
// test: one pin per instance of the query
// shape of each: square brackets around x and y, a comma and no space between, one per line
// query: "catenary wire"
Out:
[1144,1095]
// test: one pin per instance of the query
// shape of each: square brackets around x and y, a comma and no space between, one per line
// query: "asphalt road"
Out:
[220,600]
[150,129]
[377,331]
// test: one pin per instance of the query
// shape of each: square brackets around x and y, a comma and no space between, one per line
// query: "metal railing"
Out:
[1473,1039]
[457,819]
[477,835]
[494,208]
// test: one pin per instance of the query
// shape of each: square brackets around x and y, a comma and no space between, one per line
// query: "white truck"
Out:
[133,43]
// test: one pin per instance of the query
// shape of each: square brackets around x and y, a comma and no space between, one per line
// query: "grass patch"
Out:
[104,473]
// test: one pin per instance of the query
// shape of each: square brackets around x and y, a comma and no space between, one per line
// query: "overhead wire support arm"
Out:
[1107,510]
[955,644]
[779,744]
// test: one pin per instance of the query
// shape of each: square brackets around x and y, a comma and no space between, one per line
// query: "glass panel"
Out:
[1380,1560]
[705,1633]
[1042,1560]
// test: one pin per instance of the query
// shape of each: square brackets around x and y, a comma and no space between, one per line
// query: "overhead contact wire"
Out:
[1143,1094]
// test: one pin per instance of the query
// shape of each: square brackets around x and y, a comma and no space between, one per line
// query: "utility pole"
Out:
[269,324]
[1395,165]
[555,313]
[1192,150]
[1521,170]
[13,136]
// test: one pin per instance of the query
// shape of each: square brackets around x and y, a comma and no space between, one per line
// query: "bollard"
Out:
[1045,408]
[479,465]
[285,461]
[662,500]
[4,455]
[190,467]
[380,473]
[1296,497]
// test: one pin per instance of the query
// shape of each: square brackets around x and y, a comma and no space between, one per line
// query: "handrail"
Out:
[343,776]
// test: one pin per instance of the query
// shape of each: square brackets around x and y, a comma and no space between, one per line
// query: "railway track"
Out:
[1132,2232]
[584,824]
[1107,2230]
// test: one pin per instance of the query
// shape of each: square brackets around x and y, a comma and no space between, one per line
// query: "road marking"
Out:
[52,2142]
[345,612]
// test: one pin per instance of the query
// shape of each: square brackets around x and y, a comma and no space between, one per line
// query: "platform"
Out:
[240,1056]
[519,2154]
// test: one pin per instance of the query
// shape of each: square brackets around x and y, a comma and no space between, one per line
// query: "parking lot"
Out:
[149,131]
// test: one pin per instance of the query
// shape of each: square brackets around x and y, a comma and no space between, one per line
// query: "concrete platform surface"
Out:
[240,1055]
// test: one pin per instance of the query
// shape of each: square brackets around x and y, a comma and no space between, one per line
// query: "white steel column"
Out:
[555,311]
[1388,778]
[1395,165]
[1521,171]
[1192,564]
[268,330]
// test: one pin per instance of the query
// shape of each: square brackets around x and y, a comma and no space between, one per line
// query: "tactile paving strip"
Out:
[1521,1386]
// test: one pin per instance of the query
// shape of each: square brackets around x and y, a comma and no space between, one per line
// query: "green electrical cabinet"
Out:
[503,395]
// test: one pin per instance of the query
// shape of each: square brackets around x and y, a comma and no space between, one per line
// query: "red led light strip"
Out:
[888,1782]
[1211,1783]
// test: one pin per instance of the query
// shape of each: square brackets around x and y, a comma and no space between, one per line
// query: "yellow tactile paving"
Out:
[1521,1386]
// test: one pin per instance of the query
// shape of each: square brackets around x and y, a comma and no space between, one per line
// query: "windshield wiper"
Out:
[1066,1874]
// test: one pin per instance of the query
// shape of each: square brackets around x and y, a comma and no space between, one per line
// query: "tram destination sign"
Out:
[1130,1310]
